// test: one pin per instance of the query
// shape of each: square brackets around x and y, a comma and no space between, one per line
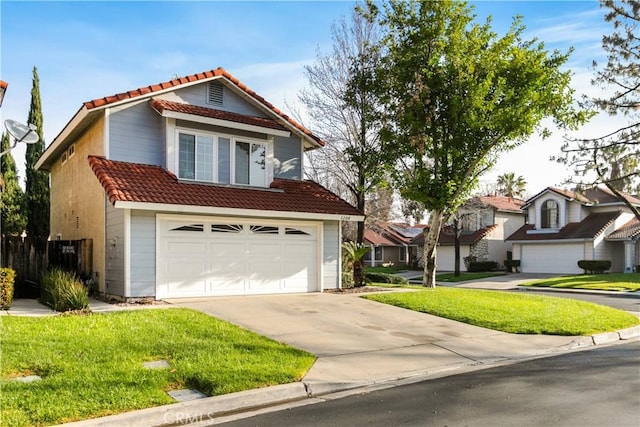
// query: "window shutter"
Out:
[214,95]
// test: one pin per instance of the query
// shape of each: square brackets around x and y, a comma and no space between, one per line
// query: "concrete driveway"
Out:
[358,340]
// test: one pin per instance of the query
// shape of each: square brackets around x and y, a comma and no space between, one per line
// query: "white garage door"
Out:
[203,256]
[446,257]
[551,258]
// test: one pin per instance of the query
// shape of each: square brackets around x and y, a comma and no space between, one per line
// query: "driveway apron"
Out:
[360,340]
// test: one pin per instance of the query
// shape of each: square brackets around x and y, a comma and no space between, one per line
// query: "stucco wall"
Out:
[77,198]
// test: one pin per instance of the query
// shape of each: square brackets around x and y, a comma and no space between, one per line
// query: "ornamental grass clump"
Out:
[62,291]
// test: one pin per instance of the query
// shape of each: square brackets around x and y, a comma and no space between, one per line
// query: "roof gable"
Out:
[148,91]
[592,196]
[90,109]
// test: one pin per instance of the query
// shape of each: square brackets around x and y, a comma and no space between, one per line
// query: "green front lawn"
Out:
[92,365]
[393,269]
[465,275]
[510,312]
[602,282]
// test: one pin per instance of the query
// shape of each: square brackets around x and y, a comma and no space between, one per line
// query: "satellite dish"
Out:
[21,133]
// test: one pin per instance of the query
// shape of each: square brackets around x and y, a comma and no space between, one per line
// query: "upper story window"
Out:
[222,159]
[250,164]
[550,214]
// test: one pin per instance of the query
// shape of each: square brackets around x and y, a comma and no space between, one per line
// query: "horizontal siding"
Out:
[197,95]
[114,251]
[143,254]
[136,135]
[287,154]
[331,255]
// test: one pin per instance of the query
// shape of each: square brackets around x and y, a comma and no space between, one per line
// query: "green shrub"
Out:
[594,266]
[477,266]
[62,291]
[7,278]
[385,278]
[511,263]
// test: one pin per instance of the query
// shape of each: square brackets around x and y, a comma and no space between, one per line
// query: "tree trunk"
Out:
[456,248]
[430,243]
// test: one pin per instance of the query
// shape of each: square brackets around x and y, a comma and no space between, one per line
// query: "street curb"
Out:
[210,408]
[319,388]
[201,409]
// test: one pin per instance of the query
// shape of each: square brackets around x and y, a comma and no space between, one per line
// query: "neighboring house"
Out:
[565,227]
[193,187]
[486,222]
[390,243]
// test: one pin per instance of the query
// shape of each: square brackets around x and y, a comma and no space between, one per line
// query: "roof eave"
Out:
[45,160]
[212,210]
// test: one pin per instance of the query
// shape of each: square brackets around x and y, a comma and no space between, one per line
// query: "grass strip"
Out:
[623,282]
[511,312]
[92,365]
[464,276]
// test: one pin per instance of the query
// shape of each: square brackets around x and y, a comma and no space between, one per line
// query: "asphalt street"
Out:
[599,387]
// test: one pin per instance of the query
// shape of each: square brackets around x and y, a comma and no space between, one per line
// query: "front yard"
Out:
[91,365]
[510,312]
[601,282]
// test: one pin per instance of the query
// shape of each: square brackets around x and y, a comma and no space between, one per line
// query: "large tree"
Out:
[342,112]
[37,182]
[613,159]
[456,95]
[13,219]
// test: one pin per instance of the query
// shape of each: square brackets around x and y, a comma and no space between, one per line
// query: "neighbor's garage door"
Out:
[551,258]
[201,257]
[446,257]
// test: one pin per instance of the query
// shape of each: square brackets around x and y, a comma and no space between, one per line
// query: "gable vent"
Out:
[214,95]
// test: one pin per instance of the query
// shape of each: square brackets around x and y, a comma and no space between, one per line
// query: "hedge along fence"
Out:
[594,266]
[7,279]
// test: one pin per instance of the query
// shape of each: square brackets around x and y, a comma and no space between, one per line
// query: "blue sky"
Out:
[86,50]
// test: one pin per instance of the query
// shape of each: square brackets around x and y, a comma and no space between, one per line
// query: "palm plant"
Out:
[511,186]
[352,255]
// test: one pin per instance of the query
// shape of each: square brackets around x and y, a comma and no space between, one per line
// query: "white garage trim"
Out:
[212,255]
[255,213]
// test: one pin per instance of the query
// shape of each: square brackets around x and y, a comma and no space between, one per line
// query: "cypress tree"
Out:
[37,184]
[12,201]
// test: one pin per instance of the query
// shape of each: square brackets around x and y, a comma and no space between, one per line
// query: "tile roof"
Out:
[132,182]
[161,105]
[447,238]
[378,239]
[588,228]
[597,195]
[391,233]
[604,195]
[502,203]
[193,78]
[628,231]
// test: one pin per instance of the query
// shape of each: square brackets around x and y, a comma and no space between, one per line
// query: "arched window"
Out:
[550,214]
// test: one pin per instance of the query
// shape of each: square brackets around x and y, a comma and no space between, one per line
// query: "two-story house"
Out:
[484,223]
[194,187]
[564,227]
